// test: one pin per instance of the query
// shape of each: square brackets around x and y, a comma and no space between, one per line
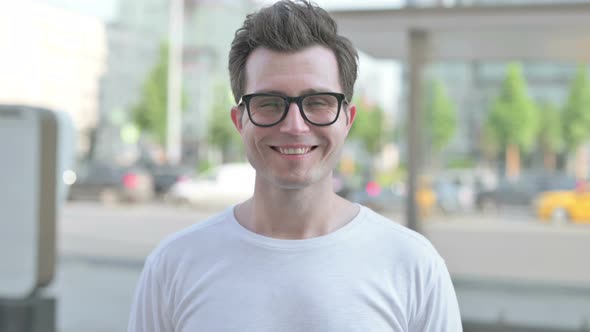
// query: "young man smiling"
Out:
[294,158]
[295,256]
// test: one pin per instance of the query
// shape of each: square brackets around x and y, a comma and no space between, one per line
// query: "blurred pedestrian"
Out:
[295,256]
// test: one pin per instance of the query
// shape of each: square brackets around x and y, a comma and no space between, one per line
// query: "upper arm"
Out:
[150,310]
[439,309]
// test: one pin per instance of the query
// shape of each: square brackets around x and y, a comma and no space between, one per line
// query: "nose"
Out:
[294,123]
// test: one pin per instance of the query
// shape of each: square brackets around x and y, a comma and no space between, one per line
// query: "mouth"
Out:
[294,150]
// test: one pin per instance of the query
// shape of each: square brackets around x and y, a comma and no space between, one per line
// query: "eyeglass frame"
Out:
[245,100]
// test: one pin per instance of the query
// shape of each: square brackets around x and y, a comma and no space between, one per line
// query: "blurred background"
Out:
[498,153]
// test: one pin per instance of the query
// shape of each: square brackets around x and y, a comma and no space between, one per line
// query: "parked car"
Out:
[222,186]
[562,206]
[447,195]
[521,192]
[383,200]
[387,200]
[166,176]
[456,188]
[110,183]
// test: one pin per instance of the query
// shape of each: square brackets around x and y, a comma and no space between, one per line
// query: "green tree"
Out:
[149,114]
[550,134]
[440,118]
[369,131]
[576,119]
[221,132]
[368,126]
[513,120]
[490,142]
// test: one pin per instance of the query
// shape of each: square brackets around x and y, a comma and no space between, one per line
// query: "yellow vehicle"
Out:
[559,206]
[426,200]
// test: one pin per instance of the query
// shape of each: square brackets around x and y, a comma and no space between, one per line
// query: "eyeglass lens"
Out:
[318,109]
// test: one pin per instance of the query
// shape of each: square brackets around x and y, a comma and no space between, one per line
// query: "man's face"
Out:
[293,153]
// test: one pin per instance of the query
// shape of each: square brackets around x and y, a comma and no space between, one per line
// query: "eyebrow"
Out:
[304,92]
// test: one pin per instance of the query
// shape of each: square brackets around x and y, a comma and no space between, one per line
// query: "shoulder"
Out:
[416,262]
[393,230]
[398,239]
[193,239]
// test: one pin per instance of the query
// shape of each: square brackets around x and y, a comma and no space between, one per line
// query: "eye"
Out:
[266,104]
[269,104]
[316,103]
[320,101]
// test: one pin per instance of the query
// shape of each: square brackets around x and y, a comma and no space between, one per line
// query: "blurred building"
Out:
[130,42]
[52,58]
[473,86]
[209,30]
[135,33]
[430,3]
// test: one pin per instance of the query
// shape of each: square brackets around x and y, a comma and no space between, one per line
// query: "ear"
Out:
[236,118]
[351,115]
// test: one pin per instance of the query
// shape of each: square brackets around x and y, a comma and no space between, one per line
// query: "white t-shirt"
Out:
[371,275]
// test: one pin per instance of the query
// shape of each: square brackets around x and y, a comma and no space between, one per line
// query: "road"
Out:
[101,252]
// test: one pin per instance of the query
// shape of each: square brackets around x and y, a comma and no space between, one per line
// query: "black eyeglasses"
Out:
[267,109]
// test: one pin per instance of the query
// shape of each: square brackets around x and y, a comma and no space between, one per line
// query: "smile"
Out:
[294,151]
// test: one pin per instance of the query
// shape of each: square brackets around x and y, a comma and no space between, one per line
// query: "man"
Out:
[295,256]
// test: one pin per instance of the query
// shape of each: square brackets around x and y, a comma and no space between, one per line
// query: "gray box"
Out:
[28,202]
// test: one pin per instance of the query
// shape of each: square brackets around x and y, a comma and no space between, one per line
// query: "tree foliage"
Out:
[513,120]
[221,132]
[576,119]
[551,139]
[490,143]
[550,128]
[440,116]
[369,126]
[150,113]
[576,114]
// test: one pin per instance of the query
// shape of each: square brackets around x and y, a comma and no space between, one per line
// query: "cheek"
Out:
[251,136]
[341,131]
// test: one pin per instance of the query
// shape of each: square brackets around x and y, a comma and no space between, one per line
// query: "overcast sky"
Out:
[105,9]
[344,4]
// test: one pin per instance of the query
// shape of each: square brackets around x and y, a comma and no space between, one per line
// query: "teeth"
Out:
[294,150]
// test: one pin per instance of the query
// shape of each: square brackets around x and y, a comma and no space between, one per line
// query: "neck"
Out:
[295,213]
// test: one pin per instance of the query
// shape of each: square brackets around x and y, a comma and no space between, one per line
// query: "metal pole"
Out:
[418,48]
[174,128]
[33,314]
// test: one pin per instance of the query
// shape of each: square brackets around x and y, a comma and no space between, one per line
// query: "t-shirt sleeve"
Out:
[149,311]
[439,310]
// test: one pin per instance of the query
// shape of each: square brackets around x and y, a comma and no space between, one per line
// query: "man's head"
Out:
[290,26]
[294,77]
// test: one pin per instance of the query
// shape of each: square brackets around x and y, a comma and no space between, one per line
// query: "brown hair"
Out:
[289,26]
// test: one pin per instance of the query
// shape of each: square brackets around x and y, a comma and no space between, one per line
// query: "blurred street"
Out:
[101,253]
[102,249]
[476,110]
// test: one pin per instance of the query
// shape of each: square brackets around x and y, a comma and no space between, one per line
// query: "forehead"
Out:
[313,68]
